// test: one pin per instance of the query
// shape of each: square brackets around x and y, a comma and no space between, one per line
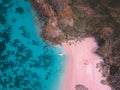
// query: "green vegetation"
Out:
[106,14]
[69,31]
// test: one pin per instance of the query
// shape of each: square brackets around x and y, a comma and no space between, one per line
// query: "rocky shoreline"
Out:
[56,13]
[69,19]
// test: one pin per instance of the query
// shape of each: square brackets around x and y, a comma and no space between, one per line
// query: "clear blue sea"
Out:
[26,61]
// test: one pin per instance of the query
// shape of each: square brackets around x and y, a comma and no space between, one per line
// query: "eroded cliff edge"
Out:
[69,19]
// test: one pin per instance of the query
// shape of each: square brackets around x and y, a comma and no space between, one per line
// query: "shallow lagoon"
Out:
[26,61]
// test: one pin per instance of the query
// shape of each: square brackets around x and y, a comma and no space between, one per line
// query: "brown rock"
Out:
[80,87]
[107,31]
[66,17]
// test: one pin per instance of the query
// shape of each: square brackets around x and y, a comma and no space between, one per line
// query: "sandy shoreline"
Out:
[81,66]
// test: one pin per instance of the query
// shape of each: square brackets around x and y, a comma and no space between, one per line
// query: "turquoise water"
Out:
[26,61]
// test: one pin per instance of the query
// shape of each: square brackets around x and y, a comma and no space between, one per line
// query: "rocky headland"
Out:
[75,19]
[58,15]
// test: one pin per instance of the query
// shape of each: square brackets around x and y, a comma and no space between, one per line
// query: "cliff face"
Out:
[68,19]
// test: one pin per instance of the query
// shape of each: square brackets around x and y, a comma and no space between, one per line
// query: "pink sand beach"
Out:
[81,66]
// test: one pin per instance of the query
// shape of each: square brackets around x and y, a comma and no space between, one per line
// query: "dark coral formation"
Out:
[16,73]
[19,10]
[17,58]
[81,18]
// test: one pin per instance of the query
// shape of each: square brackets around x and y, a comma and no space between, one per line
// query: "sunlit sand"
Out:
[81,66]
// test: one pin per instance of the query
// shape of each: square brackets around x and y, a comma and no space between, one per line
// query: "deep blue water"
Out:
[26,61]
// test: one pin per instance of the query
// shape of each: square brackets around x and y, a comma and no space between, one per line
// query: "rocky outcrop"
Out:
[56,13]
[81,87]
